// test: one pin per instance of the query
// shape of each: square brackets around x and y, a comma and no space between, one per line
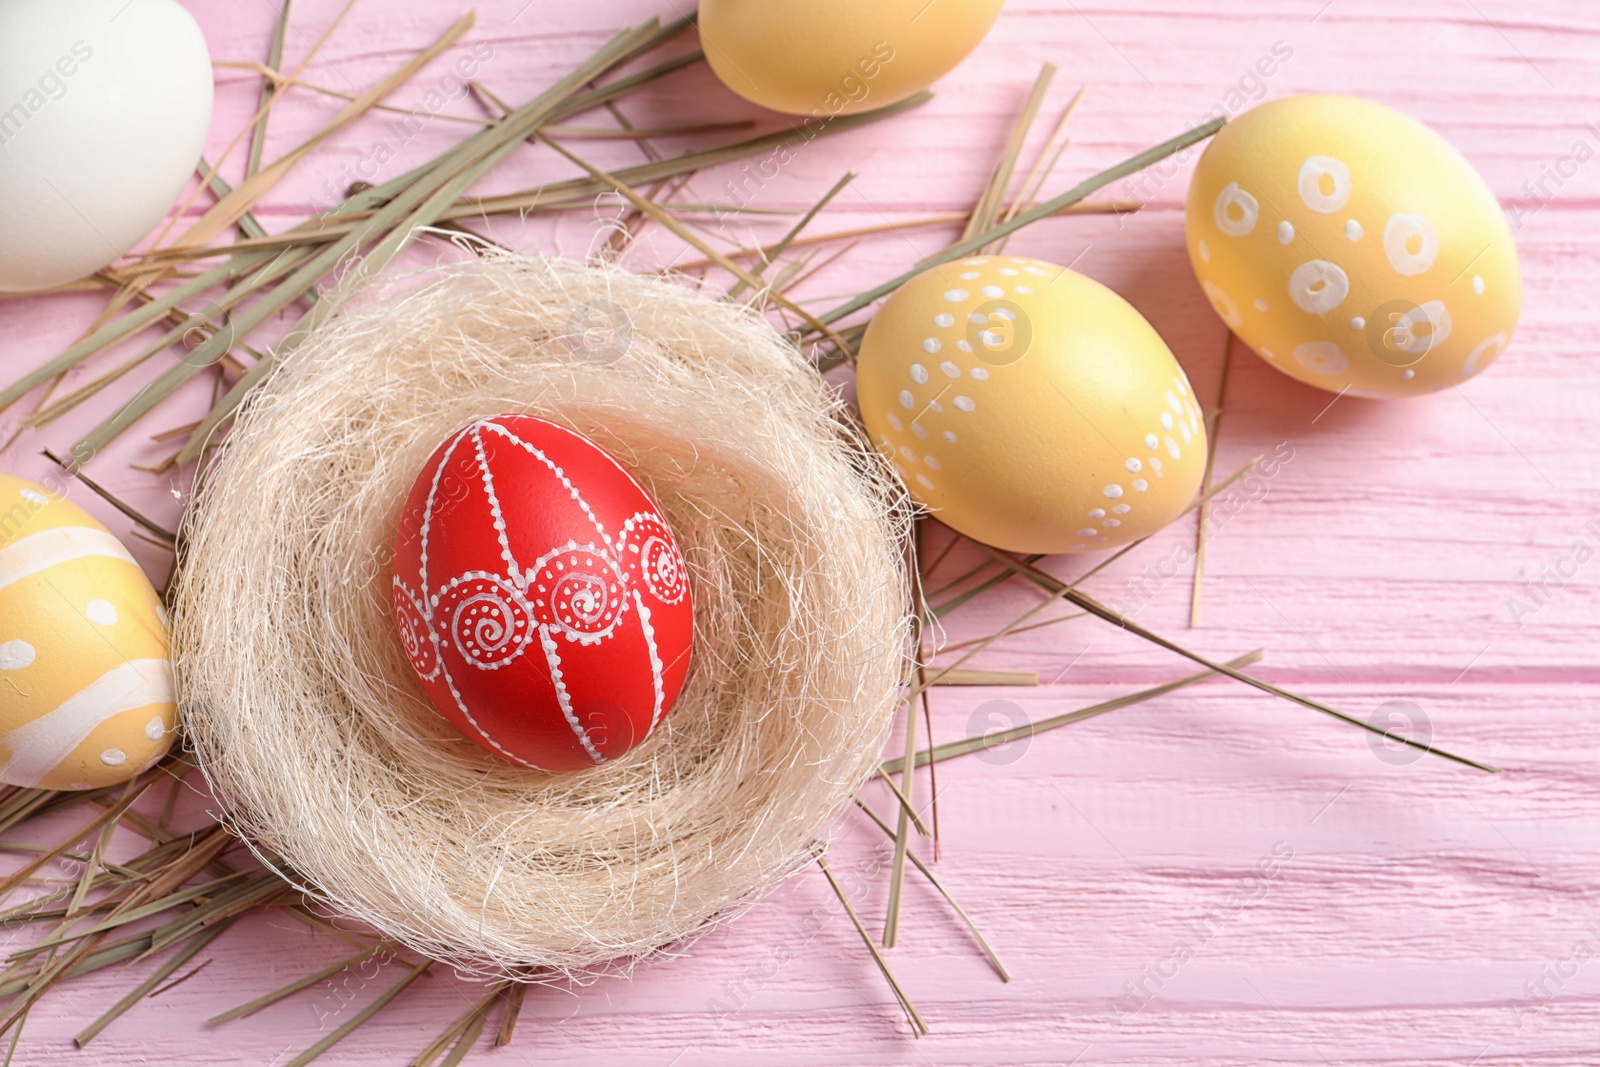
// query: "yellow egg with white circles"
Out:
[823,58]
[1352,247]
[86,690]
[1030,407]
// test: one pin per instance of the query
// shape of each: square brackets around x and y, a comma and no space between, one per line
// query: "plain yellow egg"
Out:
[1030,407]
[1352,247]
[837,57]
[86,692]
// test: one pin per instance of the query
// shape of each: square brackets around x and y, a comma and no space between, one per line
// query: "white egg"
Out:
[104,108]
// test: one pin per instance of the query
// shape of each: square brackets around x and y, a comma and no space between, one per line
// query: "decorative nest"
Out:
[313,732]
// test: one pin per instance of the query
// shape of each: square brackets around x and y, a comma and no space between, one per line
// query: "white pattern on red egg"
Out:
[536,582]
[486,619]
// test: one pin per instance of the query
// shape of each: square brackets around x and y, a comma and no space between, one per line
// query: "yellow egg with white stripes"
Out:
[86,692]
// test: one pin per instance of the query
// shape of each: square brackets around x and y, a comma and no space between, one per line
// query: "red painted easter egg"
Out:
[540,595]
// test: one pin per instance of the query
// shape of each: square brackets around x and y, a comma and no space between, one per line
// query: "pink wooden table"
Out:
[1414,912]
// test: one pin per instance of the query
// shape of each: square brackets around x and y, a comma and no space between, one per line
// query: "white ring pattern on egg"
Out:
[1318,286]
[1223,303]
[1422,329]
[1324,184]
[1321,357]
[1400,234]
[1490,347]
[1231,198]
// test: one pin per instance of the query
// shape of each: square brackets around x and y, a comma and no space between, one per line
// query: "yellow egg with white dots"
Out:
[1352,247]
[86,691]
[1030,407]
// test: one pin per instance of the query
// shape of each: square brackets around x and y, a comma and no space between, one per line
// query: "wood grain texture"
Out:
[1213,877]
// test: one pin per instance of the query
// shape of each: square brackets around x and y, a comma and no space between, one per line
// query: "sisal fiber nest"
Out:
[314,733]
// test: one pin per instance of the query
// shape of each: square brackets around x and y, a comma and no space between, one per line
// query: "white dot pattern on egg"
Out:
[1236,211]
[983,314]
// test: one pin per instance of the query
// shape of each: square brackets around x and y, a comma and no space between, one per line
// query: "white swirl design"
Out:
[416,636]
[652,558]
[486,619]
[580,591]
